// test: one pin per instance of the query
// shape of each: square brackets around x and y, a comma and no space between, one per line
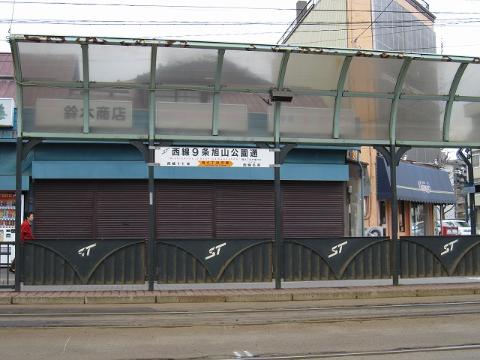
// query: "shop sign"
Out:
[424,186]
[6,112]
[214,157]
[69,113]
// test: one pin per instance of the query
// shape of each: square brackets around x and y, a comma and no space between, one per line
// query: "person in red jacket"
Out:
[26,229]
[26,234]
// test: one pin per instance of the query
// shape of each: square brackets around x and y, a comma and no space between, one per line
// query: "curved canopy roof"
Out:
[202,91]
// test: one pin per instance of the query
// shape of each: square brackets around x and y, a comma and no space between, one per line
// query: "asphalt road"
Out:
[430,328]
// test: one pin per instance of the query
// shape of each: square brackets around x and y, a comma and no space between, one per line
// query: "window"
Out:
[476,160]
[401,216]
[418,220]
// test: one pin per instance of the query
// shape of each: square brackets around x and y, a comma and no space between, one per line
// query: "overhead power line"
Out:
[398,23]
[203,7]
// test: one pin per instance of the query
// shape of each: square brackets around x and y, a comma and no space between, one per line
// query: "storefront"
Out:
[79,194]
[421,191]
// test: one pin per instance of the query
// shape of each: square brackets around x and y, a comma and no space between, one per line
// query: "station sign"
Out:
[214,157]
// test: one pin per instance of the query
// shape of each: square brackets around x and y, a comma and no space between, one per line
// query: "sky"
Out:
[248,21]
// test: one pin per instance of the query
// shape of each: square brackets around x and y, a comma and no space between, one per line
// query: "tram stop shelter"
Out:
[311,97]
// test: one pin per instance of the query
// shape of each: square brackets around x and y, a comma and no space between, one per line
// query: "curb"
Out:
[218,296]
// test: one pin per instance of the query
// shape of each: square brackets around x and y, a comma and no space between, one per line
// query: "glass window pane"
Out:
[373,75]
[313,72]
[243,114]
[420,120]
[186,66]
[469,85]
[250,70]
[110,63]
[307,117]
[429,77]
[365,118]
[52,110]
[465,121]
[51,62]
[119,111]
[183,112]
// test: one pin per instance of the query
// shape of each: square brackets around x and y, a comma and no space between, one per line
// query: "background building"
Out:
[399,25]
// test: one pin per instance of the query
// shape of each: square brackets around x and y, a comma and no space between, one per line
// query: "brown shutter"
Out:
[64,209]
[184,209]
[121,209]
[313,209]
[244,209]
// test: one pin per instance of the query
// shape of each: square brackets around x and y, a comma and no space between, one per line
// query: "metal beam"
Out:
[19,88]
[362,94]
[86,93]
[80,136]
[340,86]
[451,98]
[152,99]
[237,46]
[216,94]
[396,96]
[278,105]
[424,97]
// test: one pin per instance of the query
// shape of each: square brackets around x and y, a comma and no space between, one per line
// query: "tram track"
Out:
[152,317]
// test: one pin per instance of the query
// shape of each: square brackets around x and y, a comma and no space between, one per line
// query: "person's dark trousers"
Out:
[12,266]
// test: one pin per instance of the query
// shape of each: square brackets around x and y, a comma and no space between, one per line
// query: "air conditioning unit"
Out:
[6,112]
[376,231]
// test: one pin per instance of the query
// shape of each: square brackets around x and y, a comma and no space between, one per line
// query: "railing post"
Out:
[18,215]
[278,222]
[151,219]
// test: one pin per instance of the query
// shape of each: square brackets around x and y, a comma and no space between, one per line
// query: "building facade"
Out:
[399,25]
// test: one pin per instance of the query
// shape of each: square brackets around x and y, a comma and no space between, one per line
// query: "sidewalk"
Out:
[235,295]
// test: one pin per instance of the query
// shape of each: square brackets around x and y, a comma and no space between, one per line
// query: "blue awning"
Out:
[138,170]
[415,183]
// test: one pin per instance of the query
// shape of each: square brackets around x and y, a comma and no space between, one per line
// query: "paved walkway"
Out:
[236,295]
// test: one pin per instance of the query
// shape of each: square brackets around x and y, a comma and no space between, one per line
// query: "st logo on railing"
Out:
[215,251]
[86,250]
[337,249]
[448,247]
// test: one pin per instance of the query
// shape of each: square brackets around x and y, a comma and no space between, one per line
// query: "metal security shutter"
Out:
[313,209]
[184,209]
[121,209]
[244,209]
[64,209]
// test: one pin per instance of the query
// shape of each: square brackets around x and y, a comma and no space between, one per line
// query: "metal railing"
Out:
[7,255]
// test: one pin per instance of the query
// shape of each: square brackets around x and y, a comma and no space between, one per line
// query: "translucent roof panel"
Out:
[186,66]
[373,75]
[243,114]
[429,77]
[365,118]
[465,122]
[109,63]
[51,62]
[307,117]
[313,72]
[420,120]
[119,111]
[470,82]
[250,70]
[183,112]
[198,97]
[52,110]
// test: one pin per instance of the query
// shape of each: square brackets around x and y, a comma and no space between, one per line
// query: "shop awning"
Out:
[415,183]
